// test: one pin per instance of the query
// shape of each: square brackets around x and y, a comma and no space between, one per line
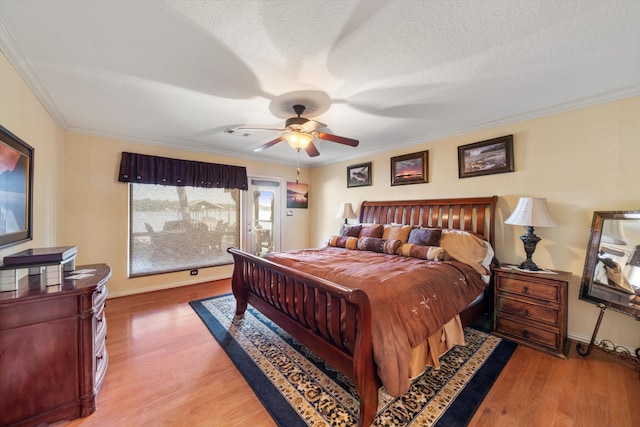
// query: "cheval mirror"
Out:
[611,277]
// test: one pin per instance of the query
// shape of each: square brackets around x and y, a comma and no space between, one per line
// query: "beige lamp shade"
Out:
[346,212]
[531,212]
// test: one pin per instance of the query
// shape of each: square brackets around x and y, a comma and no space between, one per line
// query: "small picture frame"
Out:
[486,157]
[359,175]
[410,168]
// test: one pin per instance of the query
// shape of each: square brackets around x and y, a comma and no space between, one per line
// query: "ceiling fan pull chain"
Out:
[297,166]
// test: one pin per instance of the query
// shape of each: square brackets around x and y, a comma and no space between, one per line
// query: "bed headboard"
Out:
[473,213]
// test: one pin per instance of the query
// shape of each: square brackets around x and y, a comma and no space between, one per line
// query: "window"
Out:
[181,228]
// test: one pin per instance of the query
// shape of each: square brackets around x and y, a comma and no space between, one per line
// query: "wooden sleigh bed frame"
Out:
[334,321]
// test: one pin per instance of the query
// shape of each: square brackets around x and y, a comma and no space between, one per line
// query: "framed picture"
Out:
[16,189]
[297,195]
[486,157]
[410,168]
[359,175]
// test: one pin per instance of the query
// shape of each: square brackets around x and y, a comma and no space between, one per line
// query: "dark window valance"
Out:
[143,169]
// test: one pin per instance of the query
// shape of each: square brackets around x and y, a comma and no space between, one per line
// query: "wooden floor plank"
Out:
[165,369]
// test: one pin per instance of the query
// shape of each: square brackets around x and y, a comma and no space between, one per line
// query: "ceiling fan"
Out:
[300,133]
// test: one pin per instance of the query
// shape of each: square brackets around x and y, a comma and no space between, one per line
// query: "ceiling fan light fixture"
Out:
[298,140]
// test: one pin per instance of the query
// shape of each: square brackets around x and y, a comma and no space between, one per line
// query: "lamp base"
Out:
[530,240]
[529,265]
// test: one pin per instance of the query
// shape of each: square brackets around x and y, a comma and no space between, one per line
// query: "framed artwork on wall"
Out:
[297,195]
[16,189]
[359,175]
[410,168]
[486,157]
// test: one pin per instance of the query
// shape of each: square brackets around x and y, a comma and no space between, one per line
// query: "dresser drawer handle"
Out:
[525,290]
[526,313]
[525,334]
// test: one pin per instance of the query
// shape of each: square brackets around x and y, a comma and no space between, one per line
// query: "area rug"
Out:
[299,389]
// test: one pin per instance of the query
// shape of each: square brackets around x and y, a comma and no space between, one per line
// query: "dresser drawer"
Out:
[101,362]
[529,333]
[98,298]
[526,310]
[100,327]
[538,289]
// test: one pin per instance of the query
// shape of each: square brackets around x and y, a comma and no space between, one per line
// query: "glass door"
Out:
[262,216]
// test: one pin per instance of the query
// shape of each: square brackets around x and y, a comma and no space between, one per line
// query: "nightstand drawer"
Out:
[539,289]
[528,311]
[531,308]
[529,333]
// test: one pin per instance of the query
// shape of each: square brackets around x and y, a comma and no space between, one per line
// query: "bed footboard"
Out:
[330,319]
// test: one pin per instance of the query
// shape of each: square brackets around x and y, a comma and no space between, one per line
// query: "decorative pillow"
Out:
[429,253]
[350,230]
[344,242]
[467,247]
[397,232]
[425,236]
[376,244]
[371,230]
[392,246]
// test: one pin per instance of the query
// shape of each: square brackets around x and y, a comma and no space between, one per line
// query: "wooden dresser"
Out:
[52,348]
[531,309]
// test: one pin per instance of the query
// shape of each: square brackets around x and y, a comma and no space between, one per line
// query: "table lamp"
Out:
[346,212]
[531,212]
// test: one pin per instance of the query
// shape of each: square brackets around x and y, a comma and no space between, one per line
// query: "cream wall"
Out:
[581,161]
[23,115]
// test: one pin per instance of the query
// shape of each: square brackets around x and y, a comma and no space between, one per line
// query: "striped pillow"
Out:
[429,253]
[383,246]
[346,242]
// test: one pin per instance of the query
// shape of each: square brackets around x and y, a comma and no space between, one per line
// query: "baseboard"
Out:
[164,286]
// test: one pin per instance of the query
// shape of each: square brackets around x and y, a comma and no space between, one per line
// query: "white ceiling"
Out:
[178,73]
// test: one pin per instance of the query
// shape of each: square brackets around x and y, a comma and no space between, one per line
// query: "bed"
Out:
[336,299]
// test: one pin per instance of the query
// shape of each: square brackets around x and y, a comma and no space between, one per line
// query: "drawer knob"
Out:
[525,290]
[526,312]
[525,334]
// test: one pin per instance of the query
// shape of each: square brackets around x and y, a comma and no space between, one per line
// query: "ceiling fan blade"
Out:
[300,123]
[269,144]
[339,139]
[312,125]
[259,128]
[311,150]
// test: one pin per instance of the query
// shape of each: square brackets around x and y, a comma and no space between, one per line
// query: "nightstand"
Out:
[531,309]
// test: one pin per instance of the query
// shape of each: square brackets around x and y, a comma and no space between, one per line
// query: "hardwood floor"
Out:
[166,369]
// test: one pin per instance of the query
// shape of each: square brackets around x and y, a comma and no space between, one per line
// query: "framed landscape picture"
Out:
[297,195]
[16,184]
[359,175]
[486,157]
[410,168]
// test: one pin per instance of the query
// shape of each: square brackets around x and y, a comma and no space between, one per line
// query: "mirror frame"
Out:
[592,259]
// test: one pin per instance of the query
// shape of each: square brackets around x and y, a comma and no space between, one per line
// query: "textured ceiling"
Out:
[179,73]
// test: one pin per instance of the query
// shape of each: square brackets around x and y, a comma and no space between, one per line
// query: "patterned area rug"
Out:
[299,389]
